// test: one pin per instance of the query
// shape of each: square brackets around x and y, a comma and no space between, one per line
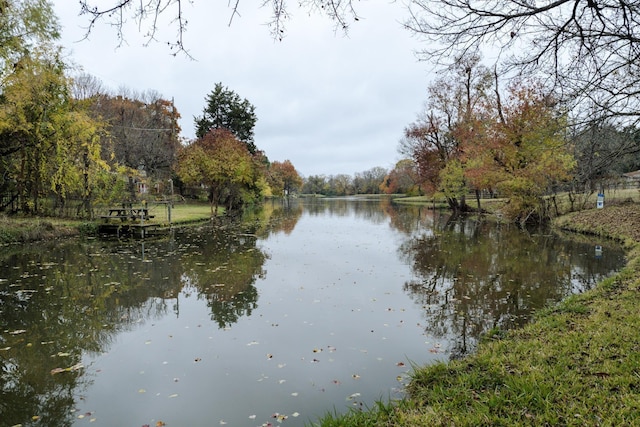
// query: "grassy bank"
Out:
[577,364]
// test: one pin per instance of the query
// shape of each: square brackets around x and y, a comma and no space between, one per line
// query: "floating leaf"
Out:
[400,364]
[160,424]
[73,368]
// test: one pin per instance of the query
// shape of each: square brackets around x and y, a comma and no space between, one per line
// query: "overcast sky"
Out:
[331,104]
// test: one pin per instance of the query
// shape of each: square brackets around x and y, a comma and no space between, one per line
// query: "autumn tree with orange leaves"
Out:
[471,140]
[284,179]
[450,121]
[222,164]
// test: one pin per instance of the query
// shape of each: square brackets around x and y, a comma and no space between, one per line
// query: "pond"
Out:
[298,310]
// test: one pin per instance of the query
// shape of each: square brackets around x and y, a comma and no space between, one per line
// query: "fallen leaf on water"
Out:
[73,368]
[160,424]
[279,417]
[400,364]
[142,390]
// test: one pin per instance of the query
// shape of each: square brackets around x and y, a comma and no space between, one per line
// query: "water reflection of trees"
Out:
[370,209]
[61,301]
[473,276]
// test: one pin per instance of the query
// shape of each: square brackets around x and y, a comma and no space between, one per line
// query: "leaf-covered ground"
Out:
[618,221]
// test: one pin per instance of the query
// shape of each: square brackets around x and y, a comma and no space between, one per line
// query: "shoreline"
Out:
[577,363]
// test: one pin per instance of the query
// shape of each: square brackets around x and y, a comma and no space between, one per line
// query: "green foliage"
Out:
[24,25]
[452,182]
[49,145]
[226,110]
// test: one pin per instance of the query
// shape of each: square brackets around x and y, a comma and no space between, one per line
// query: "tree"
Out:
[143,129]
[451,120]
[368,182]
[50,145]
[226,110]
[24,25]
[588,48]
[149,11]
[223,165]
[532,152]
[315,184]
[284,178]
[401,179]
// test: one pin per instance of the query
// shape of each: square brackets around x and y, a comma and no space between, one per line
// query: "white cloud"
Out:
[329,103]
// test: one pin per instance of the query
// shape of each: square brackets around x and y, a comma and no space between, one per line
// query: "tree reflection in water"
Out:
[69,301]
[473,275]
[61,300]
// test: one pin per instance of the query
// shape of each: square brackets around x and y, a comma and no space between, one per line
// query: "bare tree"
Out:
[146,14]
[588,48]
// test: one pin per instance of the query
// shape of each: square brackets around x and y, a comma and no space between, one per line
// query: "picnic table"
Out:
[128,212]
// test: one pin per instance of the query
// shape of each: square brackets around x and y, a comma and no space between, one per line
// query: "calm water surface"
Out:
[292,313]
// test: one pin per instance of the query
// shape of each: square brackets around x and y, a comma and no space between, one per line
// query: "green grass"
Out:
[182,213]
